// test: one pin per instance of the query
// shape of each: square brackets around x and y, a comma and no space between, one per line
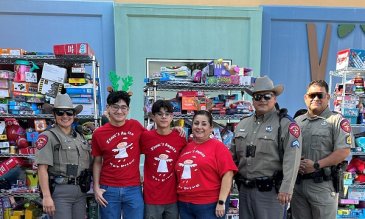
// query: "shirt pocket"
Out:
[68,153]
[241,143]
[320,139]
[267,144]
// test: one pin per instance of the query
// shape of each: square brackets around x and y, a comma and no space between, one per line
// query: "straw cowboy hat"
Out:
[62,101]
[264,84]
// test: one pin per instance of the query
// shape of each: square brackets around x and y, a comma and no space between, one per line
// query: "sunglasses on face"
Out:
[62,112]
[258,97]
[314,95]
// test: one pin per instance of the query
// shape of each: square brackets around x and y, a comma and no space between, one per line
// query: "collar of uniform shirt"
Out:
[265,116]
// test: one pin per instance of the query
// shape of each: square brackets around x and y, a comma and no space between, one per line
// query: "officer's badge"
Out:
[242,130]
[345,125]
[294,129]
[268,128]
[324,123]
[41,141]
[295,144]
[348,139]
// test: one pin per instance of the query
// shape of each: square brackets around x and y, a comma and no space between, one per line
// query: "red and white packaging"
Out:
[73,49]
[9,164]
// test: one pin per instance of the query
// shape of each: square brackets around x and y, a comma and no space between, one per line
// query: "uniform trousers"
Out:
[168,211]
[69,201]
[314,200]
[254,204]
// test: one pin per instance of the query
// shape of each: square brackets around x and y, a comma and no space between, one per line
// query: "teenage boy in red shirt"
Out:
[161,147]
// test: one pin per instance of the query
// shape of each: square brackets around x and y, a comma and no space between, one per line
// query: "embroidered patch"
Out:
[294,129]
[41,141]
[295,143]
[345,125]
[348,140]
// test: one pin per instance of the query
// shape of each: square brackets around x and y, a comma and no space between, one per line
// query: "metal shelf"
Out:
[52,59]
[41,116]
[31,156]
[349,72]
[29,195]
[166,86]
[215,116]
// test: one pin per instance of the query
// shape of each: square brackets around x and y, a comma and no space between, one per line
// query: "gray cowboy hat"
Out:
[62,101]
[264,84]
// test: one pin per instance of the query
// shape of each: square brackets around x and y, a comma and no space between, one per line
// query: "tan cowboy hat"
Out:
[62,101]
[264,84]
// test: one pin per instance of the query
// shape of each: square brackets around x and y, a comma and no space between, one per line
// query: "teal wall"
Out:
[182,32]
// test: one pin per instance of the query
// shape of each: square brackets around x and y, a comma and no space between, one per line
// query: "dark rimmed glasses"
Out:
[116,107]
[258,97]
[62,112]
[319,95]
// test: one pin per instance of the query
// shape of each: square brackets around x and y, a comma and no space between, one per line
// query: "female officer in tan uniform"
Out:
[62,156]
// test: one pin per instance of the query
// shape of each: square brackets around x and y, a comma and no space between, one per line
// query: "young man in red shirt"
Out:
[161,147]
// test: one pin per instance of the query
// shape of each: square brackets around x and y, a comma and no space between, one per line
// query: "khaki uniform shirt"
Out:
[59,149]
[263,133]
[324,134]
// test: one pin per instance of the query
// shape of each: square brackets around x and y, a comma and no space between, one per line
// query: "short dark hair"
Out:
[162,104]
[204,113]
[320,83]
[115,96]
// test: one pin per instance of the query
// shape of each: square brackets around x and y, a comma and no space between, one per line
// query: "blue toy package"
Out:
[360,142]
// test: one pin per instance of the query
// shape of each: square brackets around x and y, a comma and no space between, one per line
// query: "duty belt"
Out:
[62,180]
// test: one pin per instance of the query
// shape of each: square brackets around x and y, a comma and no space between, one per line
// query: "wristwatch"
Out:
[220,202]
[316,165]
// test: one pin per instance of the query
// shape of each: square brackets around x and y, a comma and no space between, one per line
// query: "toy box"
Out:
[350,58]
[54,73]
[9,164]
[73,49]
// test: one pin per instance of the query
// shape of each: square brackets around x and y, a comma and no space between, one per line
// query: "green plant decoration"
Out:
[344,30]
[127,83]
[362,27]
[114,79]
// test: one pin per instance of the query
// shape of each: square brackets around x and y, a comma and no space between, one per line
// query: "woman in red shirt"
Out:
[204,171]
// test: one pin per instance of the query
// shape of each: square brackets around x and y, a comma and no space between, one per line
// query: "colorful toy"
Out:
[357,167]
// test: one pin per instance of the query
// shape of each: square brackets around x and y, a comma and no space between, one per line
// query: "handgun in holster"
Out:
[337,177]
[85,180]
[237,180]
[278,179]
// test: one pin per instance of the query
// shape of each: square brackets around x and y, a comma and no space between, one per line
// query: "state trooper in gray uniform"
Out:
[267,151]
[327,139]
[63,158]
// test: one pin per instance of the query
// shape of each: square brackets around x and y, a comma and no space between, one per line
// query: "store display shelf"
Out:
[348,73]
[357,186]
[361,153]
[29,195]
[172,86]
[32,156]
[41,116]
[215,116]
[40,59]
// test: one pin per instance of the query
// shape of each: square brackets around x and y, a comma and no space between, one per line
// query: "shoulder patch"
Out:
[295,144]
[345,125]
[41,141]
[294,129]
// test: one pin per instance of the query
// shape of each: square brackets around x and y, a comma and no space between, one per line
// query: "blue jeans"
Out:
[127,199]
[198,211]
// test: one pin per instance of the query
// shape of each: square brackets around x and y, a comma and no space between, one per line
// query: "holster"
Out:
[237,180]
[337,177]
[278,179]
[85,180]
[264,184]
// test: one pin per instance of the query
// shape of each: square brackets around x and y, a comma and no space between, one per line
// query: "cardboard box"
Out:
[49,88]
[11,52]
[54,73]
[350,58]
[190,94]
[73,49]
[8,164]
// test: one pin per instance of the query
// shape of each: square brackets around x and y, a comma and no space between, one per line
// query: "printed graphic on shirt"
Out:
[121,156]
[162,163]
[188,164]
[345,125]
[294,129]
[41,141]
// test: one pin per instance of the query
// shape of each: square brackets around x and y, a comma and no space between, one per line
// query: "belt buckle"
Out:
[60,180]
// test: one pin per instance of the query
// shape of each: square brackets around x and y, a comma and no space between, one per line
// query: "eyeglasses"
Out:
[116,107]
[160,114]
[258,97]
[62,112]
[314,95]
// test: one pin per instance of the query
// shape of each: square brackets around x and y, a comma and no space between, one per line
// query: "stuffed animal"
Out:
[357,167]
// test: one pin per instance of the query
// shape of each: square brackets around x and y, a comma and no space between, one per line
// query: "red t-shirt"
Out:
[120,150]
[161,153]
[200,169]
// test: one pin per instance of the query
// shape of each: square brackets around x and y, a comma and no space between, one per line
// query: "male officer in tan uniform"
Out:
[327,139]
[262,162]
[62,156]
